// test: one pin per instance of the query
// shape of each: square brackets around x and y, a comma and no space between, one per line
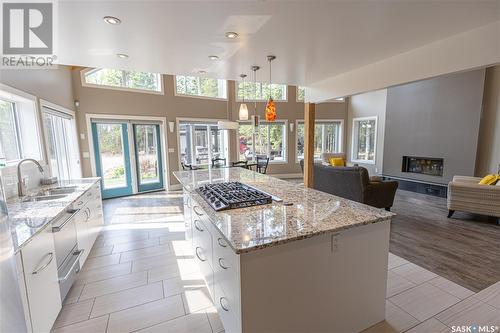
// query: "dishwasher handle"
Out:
[79,253]
[59,227]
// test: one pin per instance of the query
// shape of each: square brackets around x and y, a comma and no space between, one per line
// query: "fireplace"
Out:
[423,165]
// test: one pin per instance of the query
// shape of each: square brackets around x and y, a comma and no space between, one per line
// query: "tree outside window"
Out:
[364,139]
[124,79]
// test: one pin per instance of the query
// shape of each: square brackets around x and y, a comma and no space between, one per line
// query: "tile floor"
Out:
[141,276]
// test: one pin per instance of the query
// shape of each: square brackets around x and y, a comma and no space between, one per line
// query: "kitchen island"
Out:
[307,262]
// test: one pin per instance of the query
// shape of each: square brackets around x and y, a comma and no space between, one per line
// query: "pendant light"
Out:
[270,106]
[243,114]
[227,124]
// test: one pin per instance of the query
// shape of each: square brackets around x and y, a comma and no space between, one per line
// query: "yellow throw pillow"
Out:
[489,180]
[336,161]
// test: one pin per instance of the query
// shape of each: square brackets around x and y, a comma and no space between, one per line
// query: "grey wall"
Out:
[367,105]
[488,150]
[434,118]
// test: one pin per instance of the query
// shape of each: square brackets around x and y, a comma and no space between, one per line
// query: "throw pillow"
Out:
[489,180]
[336,161]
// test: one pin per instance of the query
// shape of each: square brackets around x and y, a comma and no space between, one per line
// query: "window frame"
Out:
[208,121]
[84,83]
[341,134]
[353,140]
[19,97]
[72,115]
[176,94]
[240,100]
[285,143]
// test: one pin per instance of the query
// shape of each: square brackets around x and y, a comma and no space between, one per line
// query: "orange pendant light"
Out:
[270,106]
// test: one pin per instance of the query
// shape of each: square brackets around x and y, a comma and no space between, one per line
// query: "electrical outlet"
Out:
[171,150]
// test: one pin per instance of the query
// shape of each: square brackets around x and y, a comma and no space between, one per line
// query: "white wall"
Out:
[367,105]
[469,50]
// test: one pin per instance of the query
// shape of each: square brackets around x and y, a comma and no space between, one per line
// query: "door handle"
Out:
[59,227]
[197,227]
[221,263]
[197,254]
[197,213]
[225,308]
[42,267]
[221,242]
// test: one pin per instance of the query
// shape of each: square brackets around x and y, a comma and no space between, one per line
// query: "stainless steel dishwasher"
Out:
[67,253]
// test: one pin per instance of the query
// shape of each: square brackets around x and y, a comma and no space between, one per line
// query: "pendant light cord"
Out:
[255,91]
[270,90]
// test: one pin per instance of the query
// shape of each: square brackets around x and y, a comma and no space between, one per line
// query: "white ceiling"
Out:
[313,40]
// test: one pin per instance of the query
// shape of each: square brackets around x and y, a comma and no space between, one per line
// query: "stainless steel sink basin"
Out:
[43,198]
[62,190]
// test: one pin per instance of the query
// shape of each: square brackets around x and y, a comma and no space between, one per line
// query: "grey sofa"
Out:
[354,183]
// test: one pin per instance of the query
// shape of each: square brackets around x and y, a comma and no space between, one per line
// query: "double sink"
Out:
[50,194]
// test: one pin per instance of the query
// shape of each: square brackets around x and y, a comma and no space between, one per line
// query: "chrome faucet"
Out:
[20,189]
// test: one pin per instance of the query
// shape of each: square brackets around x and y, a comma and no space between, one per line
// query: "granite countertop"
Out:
[26,219]
[312,212]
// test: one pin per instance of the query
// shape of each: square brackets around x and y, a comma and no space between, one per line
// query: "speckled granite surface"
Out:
[312,213]
[26,219]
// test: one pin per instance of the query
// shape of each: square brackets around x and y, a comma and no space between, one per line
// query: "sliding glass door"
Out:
[148,157]
[127,157]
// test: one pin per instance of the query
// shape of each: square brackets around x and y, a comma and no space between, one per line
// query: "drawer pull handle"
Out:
[79,203]
[87,213]
[221,242]
[224,307]
[221,264]
[197,213]
[198,255]
[42,267]
[78,254]
[188,202]
[59,227]
[200,229]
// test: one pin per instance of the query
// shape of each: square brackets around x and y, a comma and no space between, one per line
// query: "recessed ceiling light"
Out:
[112,20]
[122,55]
[202,72]
[231,35]
[213,57]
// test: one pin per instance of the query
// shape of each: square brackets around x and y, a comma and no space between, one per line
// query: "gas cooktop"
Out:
[231,195]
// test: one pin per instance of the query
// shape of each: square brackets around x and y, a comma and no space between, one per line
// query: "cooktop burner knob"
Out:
[217,203]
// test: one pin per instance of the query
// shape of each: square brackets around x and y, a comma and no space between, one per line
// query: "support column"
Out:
[309,118]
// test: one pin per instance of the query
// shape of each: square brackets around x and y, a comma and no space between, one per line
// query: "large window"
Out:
[301,94]
[201,141]
[260,91]
[327,138]
[270,140]
[364,139]
[62,146]
[123,80]
[19,133]
[200,87]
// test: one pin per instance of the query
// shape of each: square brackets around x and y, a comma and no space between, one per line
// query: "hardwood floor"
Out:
[464,249]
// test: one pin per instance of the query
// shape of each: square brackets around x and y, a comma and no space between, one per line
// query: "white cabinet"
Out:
[89,220]
[42,284]
[219,265]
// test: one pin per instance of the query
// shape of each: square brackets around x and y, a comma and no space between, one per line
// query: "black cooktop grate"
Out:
[231,195]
